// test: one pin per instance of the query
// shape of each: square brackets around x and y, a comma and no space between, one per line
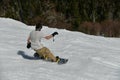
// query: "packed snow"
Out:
[90,57]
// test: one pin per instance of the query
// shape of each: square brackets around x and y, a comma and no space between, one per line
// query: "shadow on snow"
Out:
[25,56]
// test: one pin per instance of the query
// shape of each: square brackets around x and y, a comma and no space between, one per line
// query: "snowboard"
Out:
[60,60]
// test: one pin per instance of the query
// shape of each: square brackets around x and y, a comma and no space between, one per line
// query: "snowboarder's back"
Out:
[36,37]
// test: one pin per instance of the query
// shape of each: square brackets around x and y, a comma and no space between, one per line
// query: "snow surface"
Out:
[90,57]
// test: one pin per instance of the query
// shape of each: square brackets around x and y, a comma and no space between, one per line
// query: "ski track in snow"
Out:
[90,57]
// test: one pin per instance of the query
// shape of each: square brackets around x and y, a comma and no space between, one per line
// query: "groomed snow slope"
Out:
[90,57]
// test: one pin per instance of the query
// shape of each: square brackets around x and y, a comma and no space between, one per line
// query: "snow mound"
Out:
[90,57]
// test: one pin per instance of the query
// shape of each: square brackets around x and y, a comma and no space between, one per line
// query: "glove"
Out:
[55,33]
[28,45]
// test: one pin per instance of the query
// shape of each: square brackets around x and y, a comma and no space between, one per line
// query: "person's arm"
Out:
[28,43]
[28,40]
[50,36]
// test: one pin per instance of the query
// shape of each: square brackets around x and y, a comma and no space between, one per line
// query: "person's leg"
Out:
[46,53]
[49,55]
[40,52]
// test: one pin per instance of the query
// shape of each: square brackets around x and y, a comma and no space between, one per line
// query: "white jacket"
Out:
[35,37]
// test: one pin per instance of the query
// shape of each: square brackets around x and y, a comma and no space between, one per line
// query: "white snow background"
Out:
[90,57]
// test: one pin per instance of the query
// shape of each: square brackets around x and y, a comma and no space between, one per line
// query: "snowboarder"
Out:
[34,41]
